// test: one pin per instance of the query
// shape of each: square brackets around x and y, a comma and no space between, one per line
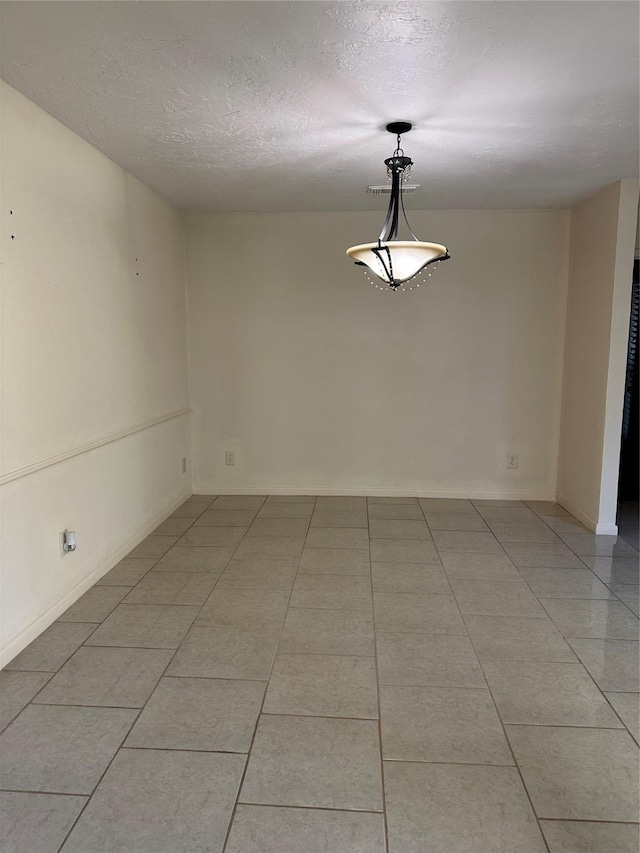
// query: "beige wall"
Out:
[602,246]
[94,365]
[320,383]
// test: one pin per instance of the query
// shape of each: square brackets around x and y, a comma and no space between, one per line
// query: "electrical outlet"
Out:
[512,460]
[229,457]
[184,464]
[67,542]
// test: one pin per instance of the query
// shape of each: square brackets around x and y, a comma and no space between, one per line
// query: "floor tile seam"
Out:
[508,742]
[331,575]
[413,594]
[577,662]
[306,547]
[510,614]
[566,638]
[171,658]
[542,599]
[555,598]
[379,538]
[133,586]
[310,808]
[175,650]
[35,696]
[215,585]
[569,640]
[290,714]
[624,692]
[572,597]
[112,646]
[423,633]
[238,496]
[591,820]
[102,775]
[68,658]
[366,610]
[472,551]
[610,583]
[91,705]
[267,684]
[44,793]
[432,686]
[574,664]
[320,510]
[392,517]
[378,706]
[545,725]
[214,678]
[512,766]
[67,621]
[323,655]
[557,534]
[166,603]
[306,654]
[617,598]
[620,728]
[635,737]
[432,565]
[192,520]
[141,748]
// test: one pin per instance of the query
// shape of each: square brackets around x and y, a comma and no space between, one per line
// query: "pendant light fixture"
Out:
[397,264]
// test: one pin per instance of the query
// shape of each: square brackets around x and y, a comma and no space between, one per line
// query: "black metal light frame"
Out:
[397,166]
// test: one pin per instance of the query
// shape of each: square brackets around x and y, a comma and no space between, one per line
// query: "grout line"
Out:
[375,652]
[591,820]
[449,763]
[504,732]
[317,716]
[142,748]
[266,682]
[264,696]
[52,673]
[565,726]
[46,793]
[503,723]
[308,808]
[102,775]
[175,651]
[508,742]
[214,678]
[35,695]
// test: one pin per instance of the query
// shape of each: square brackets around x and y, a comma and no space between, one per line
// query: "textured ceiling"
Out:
[254,106]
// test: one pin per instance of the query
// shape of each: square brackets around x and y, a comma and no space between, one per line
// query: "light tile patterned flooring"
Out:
[335,675]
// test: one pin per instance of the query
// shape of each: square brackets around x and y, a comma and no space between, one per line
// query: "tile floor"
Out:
[335,675]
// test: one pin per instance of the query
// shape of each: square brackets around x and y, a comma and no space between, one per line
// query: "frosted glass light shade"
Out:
[408,257]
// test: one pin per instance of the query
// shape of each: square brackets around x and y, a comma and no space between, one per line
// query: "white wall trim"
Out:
[603,529]
[92,445]
[210,489]
[22,640]
[594,526]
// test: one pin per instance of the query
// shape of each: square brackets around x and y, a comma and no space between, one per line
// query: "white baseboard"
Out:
[29,634]
[213,489]
[594,526]
[606,529]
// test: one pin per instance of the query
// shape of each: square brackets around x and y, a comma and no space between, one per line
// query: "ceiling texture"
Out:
[280,106]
